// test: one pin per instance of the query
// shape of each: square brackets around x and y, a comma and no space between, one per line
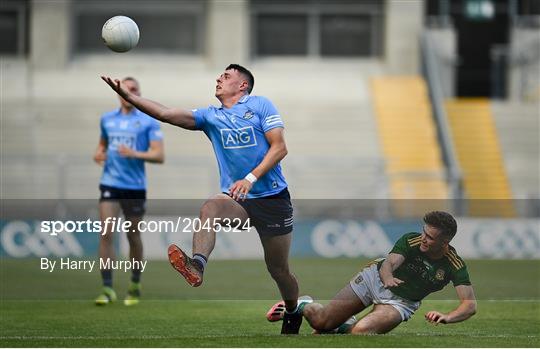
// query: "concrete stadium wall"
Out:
[52,99]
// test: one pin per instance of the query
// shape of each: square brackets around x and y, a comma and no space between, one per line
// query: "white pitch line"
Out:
[461,335]
[259,336]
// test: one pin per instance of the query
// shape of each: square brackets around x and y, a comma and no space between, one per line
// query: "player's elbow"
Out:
[169,116]
[157,155]
[473,308]
[160,157]
[165,115]
[283,151]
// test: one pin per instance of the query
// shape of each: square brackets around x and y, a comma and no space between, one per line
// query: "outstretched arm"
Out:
[175,116]
[391,263]
[466,308]
[276,153]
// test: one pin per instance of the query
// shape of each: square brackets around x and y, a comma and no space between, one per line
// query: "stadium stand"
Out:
[477,146]
[518,128]
[408,138]
[343,142]
[49,142]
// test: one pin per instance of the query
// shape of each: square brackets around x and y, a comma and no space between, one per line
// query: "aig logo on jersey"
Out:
[238,138]
[115,139]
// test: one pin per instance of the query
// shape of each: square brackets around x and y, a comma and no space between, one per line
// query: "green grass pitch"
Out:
[41,309]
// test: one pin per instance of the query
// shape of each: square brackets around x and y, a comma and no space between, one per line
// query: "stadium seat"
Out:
[477,147]
[408,136]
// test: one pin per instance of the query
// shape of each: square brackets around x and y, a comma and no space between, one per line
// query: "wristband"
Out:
[250,177]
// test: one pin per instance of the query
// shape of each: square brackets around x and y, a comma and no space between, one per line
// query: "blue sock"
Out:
[106,275]
[136,275]
[200,260]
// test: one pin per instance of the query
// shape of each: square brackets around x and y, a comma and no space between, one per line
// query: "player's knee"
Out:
[207,211]
[317,317]
[320,322]
[106,238]
[134,237]
[211,207]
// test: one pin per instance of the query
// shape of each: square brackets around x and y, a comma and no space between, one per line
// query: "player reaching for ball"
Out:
[418,265]
[246,133]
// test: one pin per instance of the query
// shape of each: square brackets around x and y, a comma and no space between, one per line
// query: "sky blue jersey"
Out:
[135,130]
[237,136]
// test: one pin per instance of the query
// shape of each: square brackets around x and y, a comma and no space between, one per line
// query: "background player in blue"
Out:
[247,136]
[128,139]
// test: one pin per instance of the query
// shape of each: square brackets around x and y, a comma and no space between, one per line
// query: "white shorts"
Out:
[369,288]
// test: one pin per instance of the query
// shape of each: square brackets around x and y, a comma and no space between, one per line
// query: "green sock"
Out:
[300,308]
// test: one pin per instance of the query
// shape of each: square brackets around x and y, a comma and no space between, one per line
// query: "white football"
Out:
[120,33]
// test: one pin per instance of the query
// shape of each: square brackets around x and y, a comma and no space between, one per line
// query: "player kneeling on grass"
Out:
[419,264]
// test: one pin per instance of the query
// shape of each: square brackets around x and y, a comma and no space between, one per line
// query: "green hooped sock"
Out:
[300,307]
[344,328]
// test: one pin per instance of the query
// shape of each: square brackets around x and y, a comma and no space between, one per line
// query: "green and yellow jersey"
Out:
[422,275]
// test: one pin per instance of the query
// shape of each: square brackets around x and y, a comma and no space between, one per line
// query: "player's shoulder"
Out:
[210,108]
[412,238]
[258,100]
[454,259]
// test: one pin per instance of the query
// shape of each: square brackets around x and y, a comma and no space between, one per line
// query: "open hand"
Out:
[116,85]
[240,189]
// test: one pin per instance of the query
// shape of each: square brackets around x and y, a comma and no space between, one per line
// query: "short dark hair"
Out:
[247,74]
[130,78]
[443,221]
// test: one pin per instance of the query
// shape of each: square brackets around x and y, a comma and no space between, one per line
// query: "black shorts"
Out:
[131,201]
[270,215]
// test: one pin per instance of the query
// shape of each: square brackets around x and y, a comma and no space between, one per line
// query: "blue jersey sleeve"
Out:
[154,131]
[200,118]
[269,115]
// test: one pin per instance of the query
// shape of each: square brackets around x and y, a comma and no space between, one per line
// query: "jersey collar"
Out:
[133,112]
[242,100]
